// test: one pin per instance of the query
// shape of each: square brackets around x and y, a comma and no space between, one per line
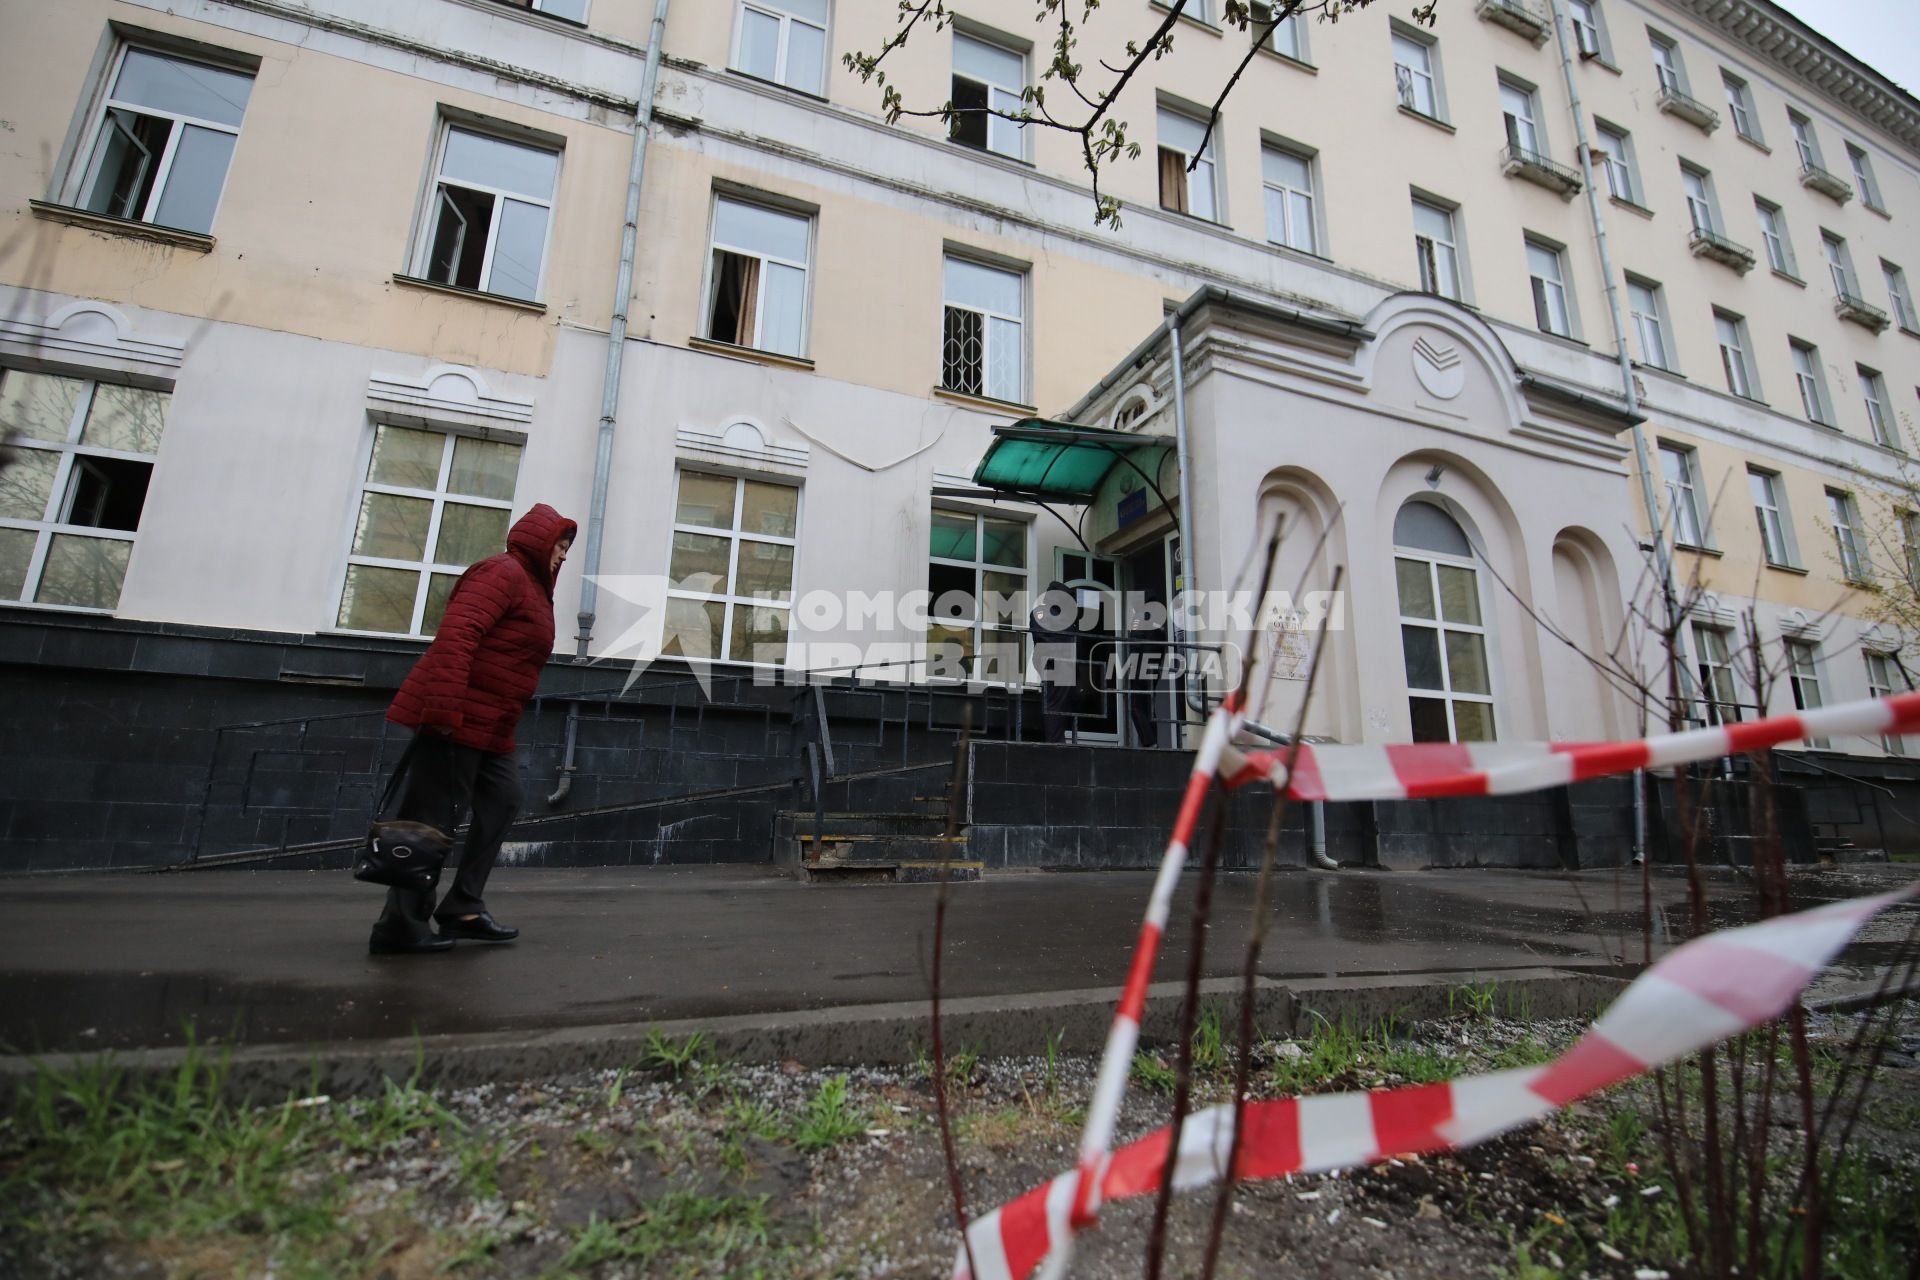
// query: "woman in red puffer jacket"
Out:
[463,700]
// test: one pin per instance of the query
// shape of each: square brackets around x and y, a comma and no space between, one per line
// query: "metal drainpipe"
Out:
[617,334]
[1187,580]
[1317,825]
[1662,557]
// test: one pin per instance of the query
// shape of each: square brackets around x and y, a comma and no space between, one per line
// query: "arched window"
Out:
[1443,636]
[1129,413]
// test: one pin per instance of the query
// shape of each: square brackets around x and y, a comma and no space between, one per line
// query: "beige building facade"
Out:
[300,304]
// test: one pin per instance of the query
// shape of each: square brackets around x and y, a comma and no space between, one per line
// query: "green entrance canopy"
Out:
[1036,458]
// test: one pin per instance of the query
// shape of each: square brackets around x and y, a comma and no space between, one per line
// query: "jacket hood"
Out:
[533,538]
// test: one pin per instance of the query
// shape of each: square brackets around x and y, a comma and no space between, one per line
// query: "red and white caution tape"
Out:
[1697,995]
[1043,1222]
[1425,770]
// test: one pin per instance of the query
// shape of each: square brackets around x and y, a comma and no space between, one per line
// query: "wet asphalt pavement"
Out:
[120,961]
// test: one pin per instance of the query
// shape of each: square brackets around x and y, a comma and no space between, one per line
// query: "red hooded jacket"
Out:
[496,636]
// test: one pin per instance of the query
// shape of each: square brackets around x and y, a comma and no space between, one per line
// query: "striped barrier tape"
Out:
[1374,773]
[1697,995]
[1429,769]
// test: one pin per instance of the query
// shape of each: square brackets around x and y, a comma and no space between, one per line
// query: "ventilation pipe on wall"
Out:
[617,333]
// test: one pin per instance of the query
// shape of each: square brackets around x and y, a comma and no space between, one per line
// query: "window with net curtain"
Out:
[1443,633]
[757,291]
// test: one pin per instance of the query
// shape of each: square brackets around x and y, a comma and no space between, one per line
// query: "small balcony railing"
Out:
[1711,244]
[1518,162]
[1692,110]
[1518,16]
[1852,307]
[1814,178]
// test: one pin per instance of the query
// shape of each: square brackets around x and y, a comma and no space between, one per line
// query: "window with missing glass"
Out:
[977,613]
[1770,513]
[1864,179]
[988,80]
[1615,152]
[757,276]
[489,213]
[730,588]
[1808,378]
[1731,330]
[1288,37]
[1585,17]
[1881,683]
[1900,298]
[1443,633]
[1645,308]
[1873,392]
[1436,249]
[432,504]
[1746,121]
[1719,688]
[1415,77]
[163,139]
[1773,233]
[1186,165]
[1803,673]
[1519,107]
[70,505]
[1546,272]
[1844,516]
[784,41]
[1679,470]
[983,342]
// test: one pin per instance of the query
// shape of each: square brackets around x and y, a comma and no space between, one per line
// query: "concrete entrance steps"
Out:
[879,847]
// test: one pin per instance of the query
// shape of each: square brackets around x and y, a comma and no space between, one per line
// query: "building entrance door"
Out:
[1095,583]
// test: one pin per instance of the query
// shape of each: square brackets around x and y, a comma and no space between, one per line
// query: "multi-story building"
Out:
[299,304]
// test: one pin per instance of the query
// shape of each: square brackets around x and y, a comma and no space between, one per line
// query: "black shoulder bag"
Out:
[398,854]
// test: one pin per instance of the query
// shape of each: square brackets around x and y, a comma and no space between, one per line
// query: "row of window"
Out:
[1688,521]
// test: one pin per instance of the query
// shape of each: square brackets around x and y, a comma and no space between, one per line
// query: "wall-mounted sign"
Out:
[1131,507]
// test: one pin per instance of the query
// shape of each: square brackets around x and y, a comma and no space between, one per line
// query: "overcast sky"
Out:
[1884,34]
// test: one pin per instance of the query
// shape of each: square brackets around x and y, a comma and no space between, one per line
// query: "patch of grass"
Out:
[1151,1073]
[1528,1051]
[670,1058]
[479,1164]
[1474,1002]
[684,1227]
[830,1118]
[1001,1129]
[755,1116]
[1332,1053]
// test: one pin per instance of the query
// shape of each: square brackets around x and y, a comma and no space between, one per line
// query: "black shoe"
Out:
[381,944]
[482,928]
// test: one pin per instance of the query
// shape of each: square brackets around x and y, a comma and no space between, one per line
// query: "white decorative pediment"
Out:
[1798,624]
[742,442]
[1709,610]
[446,395]
[1880,638]
[93,335]
[952,480]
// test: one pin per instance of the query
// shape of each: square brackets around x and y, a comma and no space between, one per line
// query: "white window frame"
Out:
[54,518]
[1718,674]
[1427,256]
[1000,97]
[1806,143]
[544,6]
[1839,264]
[441,497]
[1697,183]
[1201,178]
[1615,147]
[1899,296]
[1550,292]
[430,215]
[1289,234]
[711,281]
[1434,560]
[1746,121]
[1669,69]
[1880,669]
[1016,629]
[1844,514]
[1021,345]
[1803,679]
[735,536]
[1862,165]
[1774,234]
[1520,112]
[1771,514]
[1409,80]
[1909,522]
[1686,522]
[1650,324]
[1294,31]
[1811,381]
[85,162]
[1880,419]
[1730,332]
[782,72]
[1589,33]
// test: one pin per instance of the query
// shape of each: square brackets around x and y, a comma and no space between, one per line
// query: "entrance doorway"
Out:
[1095,580]
[1146,576]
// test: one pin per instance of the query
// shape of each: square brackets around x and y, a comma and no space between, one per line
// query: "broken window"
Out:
[982,347]
[164,139]
[432,504]
[988,78]
[71,505]
[1436,249]
[487,224]
[758,294]
[1186,167]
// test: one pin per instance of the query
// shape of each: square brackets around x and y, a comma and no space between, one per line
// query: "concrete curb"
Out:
[1076,1021]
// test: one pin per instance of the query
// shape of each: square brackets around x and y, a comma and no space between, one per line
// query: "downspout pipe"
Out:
[1317,840]
[1188,582]
[617,333]
[1663,556]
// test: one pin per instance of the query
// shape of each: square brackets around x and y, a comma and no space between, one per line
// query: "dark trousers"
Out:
[443,778]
